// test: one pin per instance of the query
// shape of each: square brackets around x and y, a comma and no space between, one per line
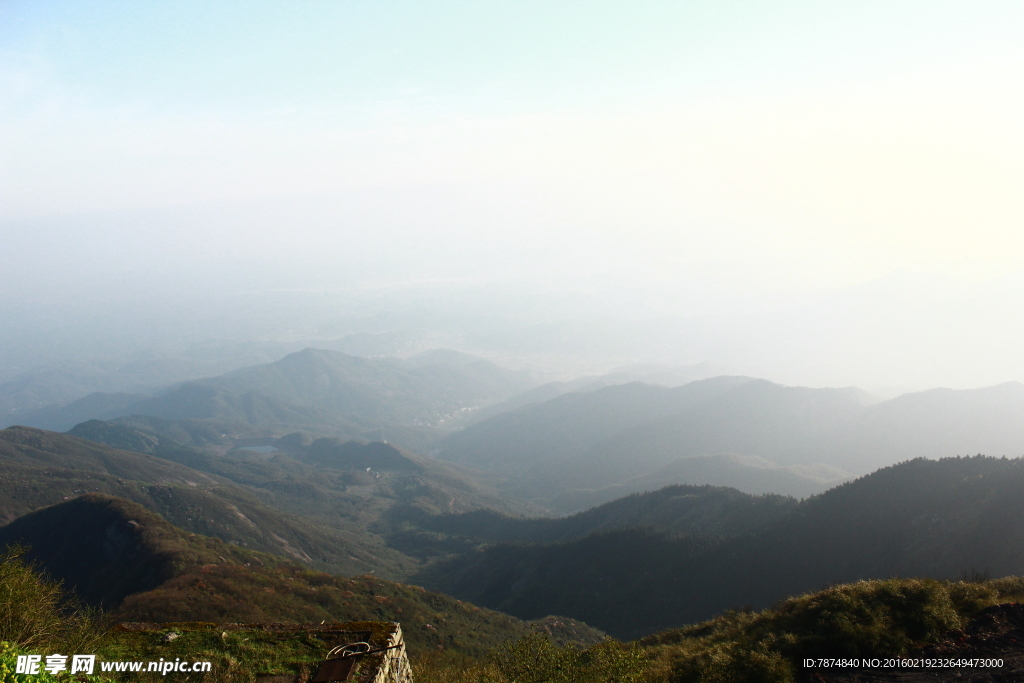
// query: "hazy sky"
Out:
[691,158]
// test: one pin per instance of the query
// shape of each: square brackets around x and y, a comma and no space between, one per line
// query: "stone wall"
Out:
[395,665]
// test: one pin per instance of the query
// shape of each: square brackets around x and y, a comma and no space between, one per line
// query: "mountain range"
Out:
[42,468]
[318,459]
[584,448]
[632,566]
[27,388]
[329,503]
[942,519]
[119,555]
[567,446]
[325,391]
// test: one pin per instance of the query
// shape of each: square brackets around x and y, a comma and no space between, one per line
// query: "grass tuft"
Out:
[36,612]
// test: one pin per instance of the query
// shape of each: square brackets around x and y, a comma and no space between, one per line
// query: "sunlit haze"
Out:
[815,193]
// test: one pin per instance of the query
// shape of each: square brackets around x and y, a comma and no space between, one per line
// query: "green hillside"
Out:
[42,468]
[906,618]
[116,553]
[108,548]
[360,487]
[939,519]
[39,448]
[915,618]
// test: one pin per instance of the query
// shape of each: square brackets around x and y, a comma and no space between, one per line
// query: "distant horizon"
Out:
[817,195]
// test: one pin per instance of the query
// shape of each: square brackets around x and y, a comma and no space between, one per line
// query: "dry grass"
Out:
[36,613]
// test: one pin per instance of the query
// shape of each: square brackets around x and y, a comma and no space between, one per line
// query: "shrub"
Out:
[535,659]
[35,612]
[868,618]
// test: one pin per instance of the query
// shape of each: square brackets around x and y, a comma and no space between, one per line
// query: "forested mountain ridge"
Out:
[41,468]
[329,503]
[706,549]
[747,473]
[117,554]
[676,510]
[940,519]
[110,552]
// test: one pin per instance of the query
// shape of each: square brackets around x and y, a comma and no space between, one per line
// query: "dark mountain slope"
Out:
[116,553]
[695,510]
[921,518]
[104,548]
[352,455]
[42,468]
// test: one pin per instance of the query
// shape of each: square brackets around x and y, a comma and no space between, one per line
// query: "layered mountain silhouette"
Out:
[25,391]
[316,387]
[942,519]
[581,449]
[634,566]
[707,511]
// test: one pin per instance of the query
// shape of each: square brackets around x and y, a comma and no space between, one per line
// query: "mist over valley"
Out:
[590,343]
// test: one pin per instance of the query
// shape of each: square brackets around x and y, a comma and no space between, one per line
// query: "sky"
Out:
[848,173]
